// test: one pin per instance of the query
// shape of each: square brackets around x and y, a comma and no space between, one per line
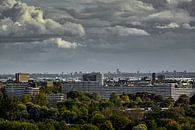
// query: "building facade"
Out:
[54,98]
[93,77]
[22,77]
[166,90]
[19,89]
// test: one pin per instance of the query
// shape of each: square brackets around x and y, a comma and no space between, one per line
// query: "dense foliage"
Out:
[87,111]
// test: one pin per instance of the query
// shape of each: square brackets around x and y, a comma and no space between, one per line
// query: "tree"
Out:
[94,96]
[40,99]
[61,125]
[140,127]
[105,104]
[98,119]
[125,98]
[183,101]
[16,125]
[69,116]
[9,108]
[89,127]
[192,99]
[115,99]
[138,100]
[107,125]
[120,121]
[34,111]
[74,94]
[173,125]
[26,98]
[151,125]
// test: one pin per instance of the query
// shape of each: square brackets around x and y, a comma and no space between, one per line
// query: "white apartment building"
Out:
[54,98]
[166,90]
[19,89]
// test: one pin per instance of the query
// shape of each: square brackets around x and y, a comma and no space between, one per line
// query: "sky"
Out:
[39,36]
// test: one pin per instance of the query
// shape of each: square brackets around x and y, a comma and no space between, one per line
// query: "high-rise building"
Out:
[22,77]
[118,71]
[96,77]
[153,78]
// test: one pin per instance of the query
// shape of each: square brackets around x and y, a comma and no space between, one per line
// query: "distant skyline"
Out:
[97,35]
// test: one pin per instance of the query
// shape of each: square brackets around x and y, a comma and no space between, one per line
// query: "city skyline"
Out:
[97,35]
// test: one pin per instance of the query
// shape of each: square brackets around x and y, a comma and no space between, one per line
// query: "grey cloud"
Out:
[189,6]
[132,34]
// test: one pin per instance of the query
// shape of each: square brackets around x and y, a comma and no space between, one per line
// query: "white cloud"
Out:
[48,44]
[125,31]
[178,16]
[169,26]
[187,26]
[172,2]
[32,22]
[62,43]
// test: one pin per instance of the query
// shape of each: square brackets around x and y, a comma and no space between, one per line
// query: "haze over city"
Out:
[97,35]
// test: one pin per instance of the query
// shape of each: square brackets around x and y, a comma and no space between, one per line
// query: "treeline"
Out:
[87,111]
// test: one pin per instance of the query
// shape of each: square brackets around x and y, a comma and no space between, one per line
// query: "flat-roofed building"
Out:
[22,77]
[19,89]
[166,90]
[54,98]
[94,77]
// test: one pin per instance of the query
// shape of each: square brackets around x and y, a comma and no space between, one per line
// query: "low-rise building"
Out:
[54,98]
[166,90]
[19,89]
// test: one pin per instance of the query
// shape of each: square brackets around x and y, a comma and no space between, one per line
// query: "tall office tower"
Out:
[118,71]
[96,77]
[153,78]
[22,77]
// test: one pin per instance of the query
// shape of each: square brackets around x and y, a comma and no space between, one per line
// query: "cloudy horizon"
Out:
[97,35]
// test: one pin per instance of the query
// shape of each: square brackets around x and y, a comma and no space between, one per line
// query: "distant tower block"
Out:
[22,77]
[153,78]
[118,71]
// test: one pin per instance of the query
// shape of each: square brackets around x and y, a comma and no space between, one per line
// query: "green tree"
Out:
[9,108]
[89,127]
[105,104]
[69,116]
[26,98]
[115,99]
[183,101]
[138,100]
[192,99]
[98,119]
[16,125]
[140,127]
[41,99]
[125,98]
[107,125]
[173,125]
[152,125]
[94,96]
[120,122]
